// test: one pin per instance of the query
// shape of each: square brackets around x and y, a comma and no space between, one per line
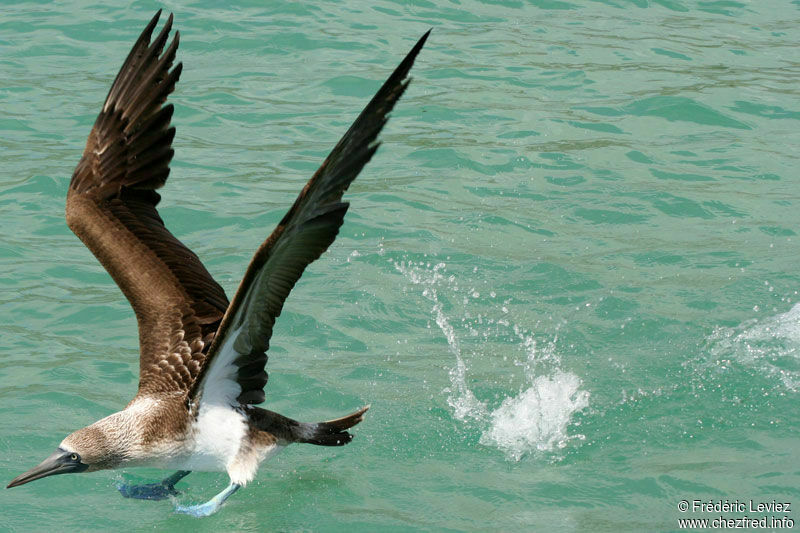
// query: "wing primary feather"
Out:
[152,130]
[127,67]
[145,59]
[151,84]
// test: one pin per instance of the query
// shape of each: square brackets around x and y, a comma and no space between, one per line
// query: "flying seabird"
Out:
[202,359]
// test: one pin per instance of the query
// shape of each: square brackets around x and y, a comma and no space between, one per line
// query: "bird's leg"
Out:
[153,491]
[211,506]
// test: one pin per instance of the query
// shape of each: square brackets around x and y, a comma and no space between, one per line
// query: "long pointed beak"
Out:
[59,462]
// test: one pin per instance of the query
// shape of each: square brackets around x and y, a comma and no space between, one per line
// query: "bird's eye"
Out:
[75,457]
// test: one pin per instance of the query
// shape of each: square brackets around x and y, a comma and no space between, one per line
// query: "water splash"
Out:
[538,417]
[535,420]
[770,345]
[461,399]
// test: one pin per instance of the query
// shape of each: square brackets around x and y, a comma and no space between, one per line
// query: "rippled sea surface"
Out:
[567,283]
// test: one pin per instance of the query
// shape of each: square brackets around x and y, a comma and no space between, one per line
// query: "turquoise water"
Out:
[567,284]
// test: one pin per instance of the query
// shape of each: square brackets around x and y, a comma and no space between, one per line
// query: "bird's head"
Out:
[85,450]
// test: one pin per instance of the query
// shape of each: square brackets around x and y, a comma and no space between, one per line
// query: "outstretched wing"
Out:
[235,364]
[111,206]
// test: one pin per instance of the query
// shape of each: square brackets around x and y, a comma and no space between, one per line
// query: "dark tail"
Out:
[330,433]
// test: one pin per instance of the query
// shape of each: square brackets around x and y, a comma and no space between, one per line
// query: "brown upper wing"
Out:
[111,206]
[238,353]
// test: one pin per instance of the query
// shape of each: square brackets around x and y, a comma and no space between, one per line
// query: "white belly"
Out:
[214,440]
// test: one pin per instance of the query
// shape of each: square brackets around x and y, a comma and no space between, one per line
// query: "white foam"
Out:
[770,345]
[535,420]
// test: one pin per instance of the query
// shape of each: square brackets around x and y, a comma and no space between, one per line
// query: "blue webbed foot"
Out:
[200,510]
[211,506]
[153,491]
[150,491]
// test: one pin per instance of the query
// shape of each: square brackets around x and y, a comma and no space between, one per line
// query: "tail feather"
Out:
[330,433]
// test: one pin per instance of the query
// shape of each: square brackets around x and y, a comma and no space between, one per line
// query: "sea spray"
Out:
[535,420]
[769,345]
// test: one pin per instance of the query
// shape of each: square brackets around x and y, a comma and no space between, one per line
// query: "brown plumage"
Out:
[202,360]
[111,207]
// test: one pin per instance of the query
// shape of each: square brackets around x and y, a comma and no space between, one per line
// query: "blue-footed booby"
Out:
[202,359]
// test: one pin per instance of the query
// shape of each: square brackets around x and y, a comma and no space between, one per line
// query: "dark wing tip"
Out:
[153,22]
[421,42]
[176,71]
[412,55]
[401,72]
